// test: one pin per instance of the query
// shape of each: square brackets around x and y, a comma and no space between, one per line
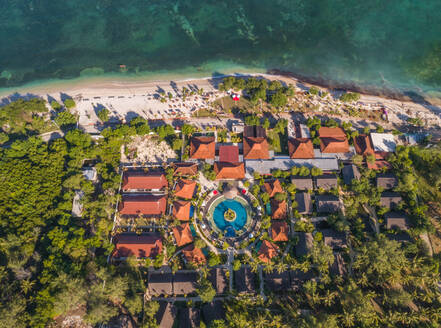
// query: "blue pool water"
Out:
[233,226]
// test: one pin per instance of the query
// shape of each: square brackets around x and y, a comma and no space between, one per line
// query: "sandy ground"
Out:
[126,100]
[145,150]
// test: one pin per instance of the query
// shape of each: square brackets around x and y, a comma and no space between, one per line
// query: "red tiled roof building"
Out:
[140,246]
[300,148]
[363,145]
[147,205]
[185,169]
[229,154]
[279,231]
[183,235]
[255,148]
[181,210]
[229,171]
[278,209]
[333,140]
[141,180]
[273,187]
[202,148]
[267,251]
[194,255]
[185,188]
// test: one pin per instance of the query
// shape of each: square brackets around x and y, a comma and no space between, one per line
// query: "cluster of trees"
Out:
[350,97]
[260,90]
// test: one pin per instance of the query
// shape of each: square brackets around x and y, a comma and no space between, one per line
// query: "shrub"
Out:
[380,129]
[103,114]
[357,159]
[69,103]
[313,91]
[55,105]
[315,171]
[278,99]
[350,96]
[65,118]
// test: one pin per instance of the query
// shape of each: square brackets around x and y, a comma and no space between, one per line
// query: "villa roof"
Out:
[302,183]
[334,239]
[327,203]
[184,282]
[183,235]
[390,199]
[300,148]
[189,318]
[202,148]
[185,188]
[141,180]
[254,131]
[255,148]
[187,169]
[273,187]
[397,220]
[305,244]
[277,281]
[151,205]
[140,246]
[304,204]
[228,154]
[181,210]
[267,251]
[213,311]
[194,255]
[228,171]
[166,315]
[160,283]
[279,231]
[219,280]
[278,209]
[338,268]
[336,132]
[326,181]
[378,165]
[386,180]
[245,280]
[350,172]
[363,145]
[383,142]
[334,145]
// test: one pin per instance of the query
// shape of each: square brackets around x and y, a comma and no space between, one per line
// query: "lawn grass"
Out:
[278,142]
[228,105]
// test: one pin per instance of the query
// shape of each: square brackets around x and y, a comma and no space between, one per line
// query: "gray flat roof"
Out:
[286,163]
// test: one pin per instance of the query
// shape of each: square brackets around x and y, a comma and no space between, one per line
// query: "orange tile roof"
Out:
[273,187]
[255,148]
[363,145]
[185,168]
[229,154]
[142,205]
[137,180]
[334,145]
[379,165]
[181,210]
[194,254]
[300,148]
[279,230]
[183,235]
[278,209]
[140,246]
[202,148]
[267,251]
[226,170]
[185,188]
[325,132]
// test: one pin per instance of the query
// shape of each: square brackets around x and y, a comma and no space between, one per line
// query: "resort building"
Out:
[182,210]
[255,145]
[228,154]
[279,209]
[277,281]
[185,282]
[185,169]
[302,183]
[147,245]
[327,203]
[383,142]
[160,282]
[229,171]
[267,251]
[194,255]
[390,199]
[334,239]
[182,234]
[326,181]
[219,279]
[245,280]
[185,188]
[139,180]
[166,315]
[333,140]
[213,311]
[300,148]
[397,221]
[189,318]
[304,203]
[279,231]
[363,145]
[338,268]
[386,180]
[298,278]
[305,244]
[273,187]
[202,148]
[145,205]
[350,172]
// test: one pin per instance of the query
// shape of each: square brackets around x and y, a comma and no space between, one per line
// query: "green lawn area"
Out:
[228,104]
[278,142]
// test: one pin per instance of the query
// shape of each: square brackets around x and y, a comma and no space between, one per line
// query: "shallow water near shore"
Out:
[393,44]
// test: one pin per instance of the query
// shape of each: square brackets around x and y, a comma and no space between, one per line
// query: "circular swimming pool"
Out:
[230,226]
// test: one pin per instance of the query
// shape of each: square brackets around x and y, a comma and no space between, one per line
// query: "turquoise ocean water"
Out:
[395,43]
